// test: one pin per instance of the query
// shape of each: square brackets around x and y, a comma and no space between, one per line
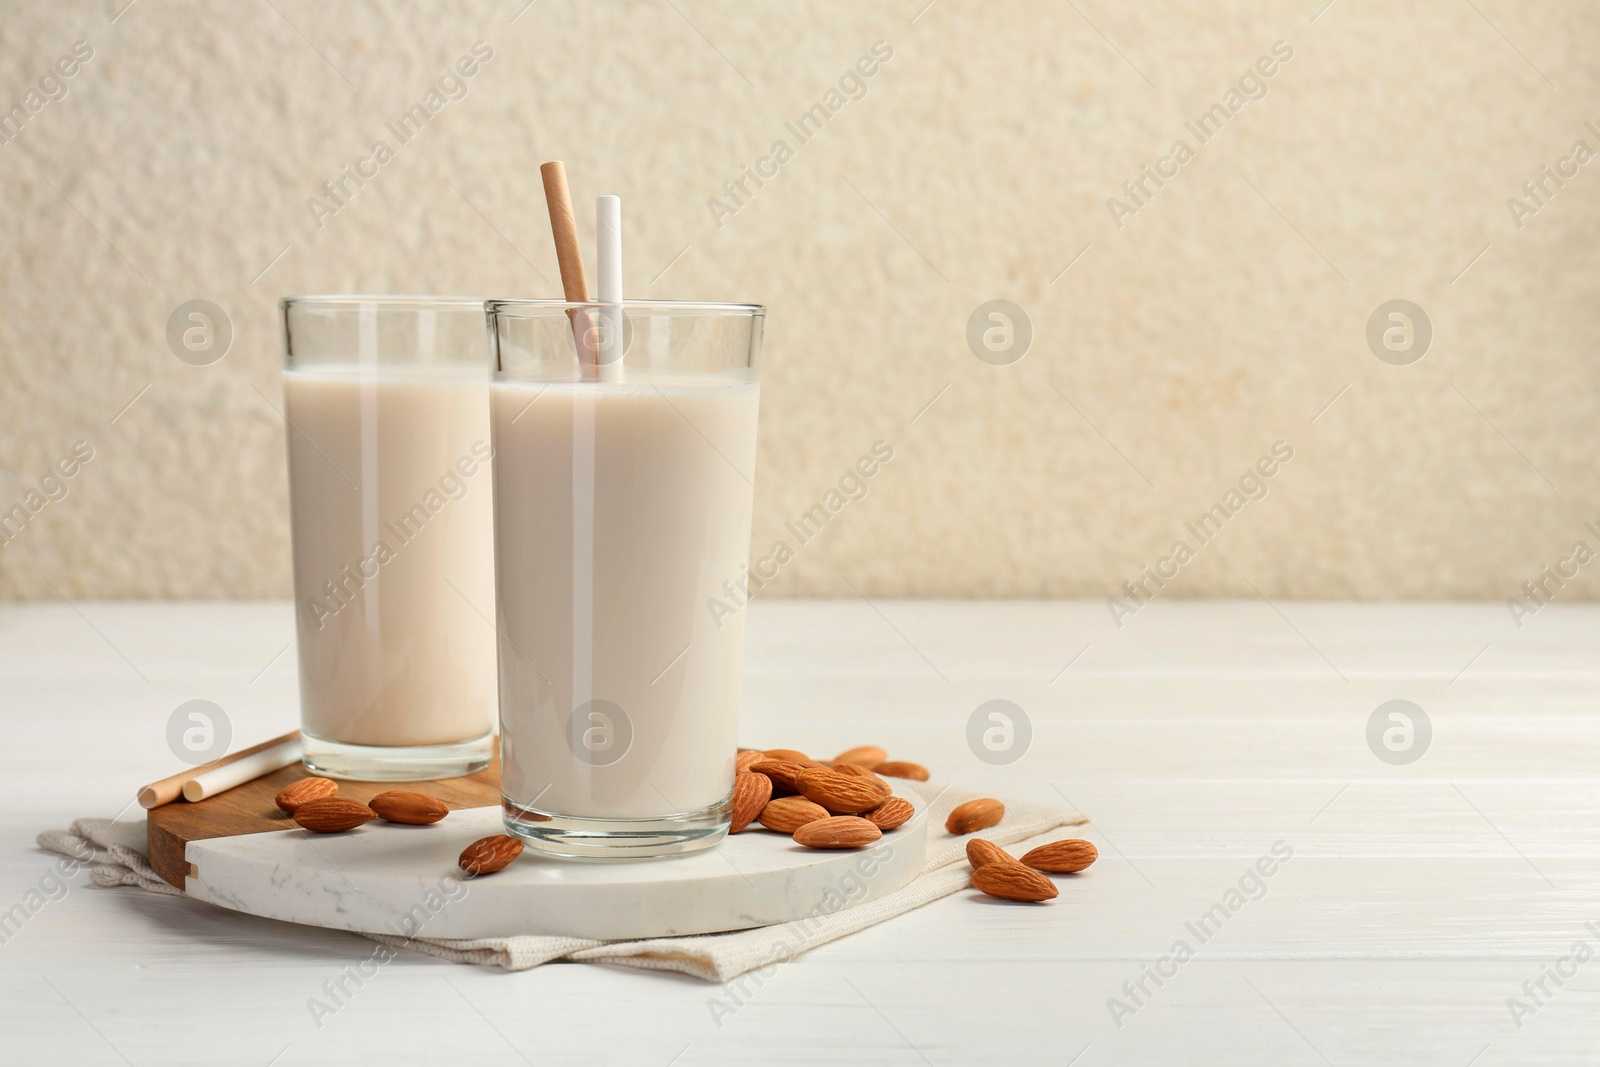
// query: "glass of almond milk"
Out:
[391,506]
[625,443]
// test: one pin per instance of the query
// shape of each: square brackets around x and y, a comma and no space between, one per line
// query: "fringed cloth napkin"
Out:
[115,852]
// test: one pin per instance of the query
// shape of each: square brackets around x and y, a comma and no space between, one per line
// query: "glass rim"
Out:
[391,300]
[496,307]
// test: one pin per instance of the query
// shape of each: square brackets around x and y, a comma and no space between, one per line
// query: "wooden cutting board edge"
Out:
[250,809]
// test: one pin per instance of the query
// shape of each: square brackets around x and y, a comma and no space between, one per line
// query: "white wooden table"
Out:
[1418,899]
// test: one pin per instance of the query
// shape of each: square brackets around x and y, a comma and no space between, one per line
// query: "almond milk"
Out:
[392,508]
[621,508]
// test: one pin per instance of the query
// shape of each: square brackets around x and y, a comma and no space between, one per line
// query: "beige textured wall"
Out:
[1220,317]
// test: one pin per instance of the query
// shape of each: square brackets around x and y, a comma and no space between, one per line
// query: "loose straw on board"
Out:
[245,769]
[172,787]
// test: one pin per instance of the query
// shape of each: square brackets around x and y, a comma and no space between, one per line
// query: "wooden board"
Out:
[249,809]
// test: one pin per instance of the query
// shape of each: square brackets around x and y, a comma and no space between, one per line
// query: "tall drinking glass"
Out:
[386,400]
[625,444]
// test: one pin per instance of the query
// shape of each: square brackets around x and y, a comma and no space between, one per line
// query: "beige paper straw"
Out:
[569,256]
[565,229]
[170,788]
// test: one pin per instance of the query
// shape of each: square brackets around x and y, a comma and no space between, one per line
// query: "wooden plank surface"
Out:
[1418,901]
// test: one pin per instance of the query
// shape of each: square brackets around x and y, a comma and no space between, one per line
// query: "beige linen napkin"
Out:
[117,853]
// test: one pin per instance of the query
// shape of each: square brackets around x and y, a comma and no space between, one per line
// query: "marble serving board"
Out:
[388,878]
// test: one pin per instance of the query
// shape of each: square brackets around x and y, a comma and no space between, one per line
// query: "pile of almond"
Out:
[997,873]
[845,803]
[840,803]
[315,804]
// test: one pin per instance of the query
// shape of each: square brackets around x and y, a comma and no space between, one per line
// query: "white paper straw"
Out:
[608,269]
[241,771]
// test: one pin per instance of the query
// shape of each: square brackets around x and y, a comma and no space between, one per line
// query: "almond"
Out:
[868,756]
[747,757]
[975,815]
[1010,880]
[329,815]
[841,831]
[400,805]
[1062,857]
[782,772]
[489,854]
[793,755]
[981,851]
[750,794]
[297,793]
[788,814]
[842,794]
[855,770]
[894,812]
[903,769]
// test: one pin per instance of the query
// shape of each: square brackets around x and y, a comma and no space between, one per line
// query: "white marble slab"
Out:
[403,880]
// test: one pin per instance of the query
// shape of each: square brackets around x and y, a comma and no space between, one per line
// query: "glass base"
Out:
[395,763]
[571,837]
